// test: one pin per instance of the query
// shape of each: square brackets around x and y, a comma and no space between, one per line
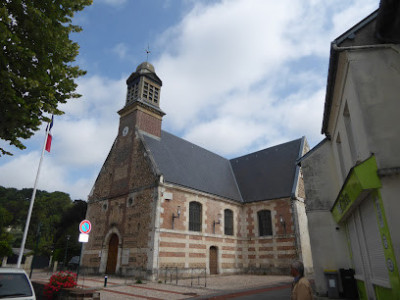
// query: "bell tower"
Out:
[142,105]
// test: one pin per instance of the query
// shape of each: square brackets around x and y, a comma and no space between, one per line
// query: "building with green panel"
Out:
[352,178]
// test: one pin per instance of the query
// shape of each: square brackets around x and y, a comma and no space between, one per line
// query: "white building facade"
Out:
[352,178]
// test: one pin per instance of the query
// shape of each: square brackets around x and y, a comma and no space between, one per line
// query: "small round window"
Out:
[125,131]
[105,206]
[130,201]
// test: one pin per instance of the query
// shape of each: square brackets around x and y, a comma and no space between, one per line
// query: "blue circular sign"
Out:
[85,226]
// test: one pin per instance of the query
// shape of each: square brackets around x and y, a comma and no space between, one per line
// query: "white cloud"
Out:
[82,138]
[101,97]
[219,49]
[84,142]
[230,83]
[352,14]
[54,175]
[112,2]
[123,52]
[21,173]
[84,135]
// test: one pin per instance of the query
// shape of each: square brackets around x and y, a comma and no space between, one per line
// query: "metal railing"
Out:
[183,276]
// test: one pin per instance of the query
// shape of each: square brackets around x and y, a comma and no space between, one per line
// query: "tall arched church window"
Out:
[264,222]
[228,222]
[194,216]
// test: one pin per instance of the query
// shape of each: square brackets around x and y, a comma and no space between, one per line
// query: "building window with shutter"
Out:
[264,222]
[228,222]
[194,216]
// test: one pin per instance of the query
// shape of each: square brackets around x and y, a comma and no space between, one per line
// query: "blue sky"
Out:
[238,76]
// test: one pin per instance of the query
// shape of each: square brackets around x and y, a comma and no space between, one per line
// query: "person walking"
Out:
[301,287]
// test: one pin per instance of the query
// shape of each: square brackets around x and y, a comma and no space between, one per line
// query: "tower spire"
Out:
[147,52]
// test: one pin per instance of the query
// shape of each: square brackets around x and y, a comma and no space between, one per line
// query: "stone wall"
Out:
[122,203]
[243,251]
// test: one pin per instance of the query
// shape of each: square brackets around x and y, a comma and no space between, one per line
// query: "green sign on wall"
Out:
[363,178]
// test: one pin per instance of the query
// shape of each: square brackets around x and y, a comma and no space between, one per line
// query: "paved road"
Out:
[282,294]
[215,287]
[271,293]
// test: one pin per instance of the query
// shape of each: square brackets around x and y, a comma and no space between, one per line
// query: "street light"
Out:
[216,222]
[283,223]
[66,251]
[178,214]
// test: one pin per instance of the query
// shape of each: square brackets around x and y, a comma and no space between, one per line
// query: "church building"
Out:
[160,201]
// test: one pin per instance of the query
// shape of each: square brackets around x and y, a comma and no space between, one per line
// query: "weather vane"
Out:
[147,52]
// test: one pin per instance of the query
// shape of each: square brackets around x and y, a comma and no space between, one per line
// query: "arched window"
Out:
[264,222]
[194,216]
[228,222]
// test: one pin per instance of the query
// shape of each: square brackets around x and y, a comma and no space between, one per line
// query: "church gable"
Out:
[102,185]
[127,167]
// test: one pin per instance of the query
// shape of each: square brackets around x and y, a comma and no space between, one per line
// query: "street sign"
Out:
[85,226]
[83,237]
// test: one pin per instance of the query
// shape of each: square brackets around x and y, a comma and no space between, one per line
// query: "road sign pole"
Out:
[84,227]
[79,265]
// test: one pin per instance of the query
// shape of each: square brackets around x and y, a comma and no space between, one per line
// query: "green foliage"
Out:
[69,226]
[5,249]
[36,71]
[48,212]
[5,236]
[5,218]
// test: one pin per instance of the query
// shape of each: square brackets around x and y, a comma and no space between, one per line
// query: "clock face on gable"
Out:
[125,131]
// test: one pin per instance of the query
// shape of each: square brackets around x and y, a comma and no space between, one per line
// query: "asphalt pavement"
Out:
[215,287]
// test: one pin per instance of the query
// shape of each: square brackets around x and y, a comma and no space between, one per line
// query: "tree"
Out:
[36,73]
[5,237]
[69,226]
[47,213]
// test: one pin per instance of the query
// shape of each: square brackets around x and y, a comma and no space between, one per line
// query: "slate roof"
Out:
[186,164]
[269,173]
[263,175]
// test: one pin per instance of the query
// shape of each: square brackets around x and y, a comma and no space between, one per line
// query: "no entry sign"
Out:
[85,226]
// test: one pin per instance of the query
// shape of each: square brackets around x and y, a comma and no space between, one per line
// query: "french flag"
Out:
[49,136]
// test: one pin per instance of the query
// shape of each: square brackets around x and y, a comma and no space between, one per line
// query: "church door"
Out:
[213,260]
[112,254]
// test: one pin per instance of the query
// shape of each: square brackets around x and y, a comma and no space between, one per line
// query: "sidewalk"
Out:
[126,288]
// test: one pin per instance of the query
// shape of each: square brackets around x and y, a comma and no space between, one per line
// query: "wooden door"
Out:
[213,260]
[112,254]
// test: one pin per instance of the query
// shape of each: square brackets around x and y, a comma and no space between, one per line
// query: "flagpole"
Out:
[21,251]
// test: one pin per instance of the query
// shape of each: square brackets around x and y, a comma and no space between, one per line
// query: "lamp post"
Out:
[66,251]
